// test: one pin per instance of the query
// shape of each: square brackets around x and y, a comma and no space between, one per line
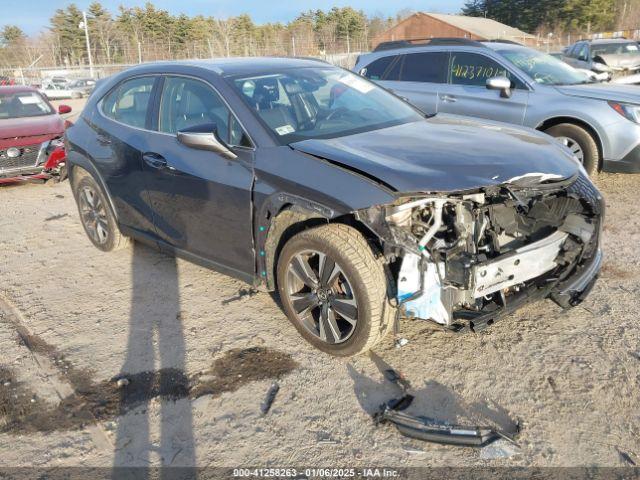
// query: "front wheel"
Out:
[581,144]
[334,290]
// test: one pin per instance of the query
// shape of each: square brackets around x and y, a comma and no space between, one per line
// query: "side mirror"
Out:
[205,137]
[62,109]
[500,83]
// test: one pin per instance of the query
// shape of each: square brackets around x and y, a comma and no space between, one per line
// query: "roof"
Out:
[601,41]
[240,65]
[17,89]
[480,26]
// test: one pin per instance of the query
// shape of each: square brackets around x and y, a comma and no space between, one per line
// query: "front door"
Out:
[201,201]
[467,94]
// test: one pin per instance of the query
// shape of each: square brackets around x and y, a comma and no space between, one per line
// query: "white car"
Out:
[55,91]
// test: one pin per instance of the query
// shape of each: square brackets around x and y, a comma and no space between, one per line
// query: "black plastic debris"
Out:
[271,396]
[430,429]
[242,293]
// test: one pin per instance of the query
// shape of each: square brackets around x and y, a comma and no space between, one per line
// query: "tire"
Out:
[96,216]
[359,290]
[583,139]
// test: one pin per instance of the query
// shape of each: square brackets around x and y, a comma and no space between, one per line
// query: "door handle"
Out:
[449,98]
[154,160]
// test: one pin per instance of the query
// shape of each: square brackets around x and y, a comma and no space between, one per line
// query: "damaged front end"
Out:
[465,259]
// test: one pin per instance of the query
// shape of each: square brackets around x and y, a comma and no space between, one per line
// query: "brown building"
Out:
[433,25]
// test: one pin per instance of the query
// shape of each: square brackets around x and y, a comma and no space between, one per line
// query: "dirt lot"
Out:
[196,353]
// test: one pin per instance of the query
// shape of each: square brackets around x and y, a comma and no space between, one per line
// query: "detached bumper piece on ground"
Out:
[430,429]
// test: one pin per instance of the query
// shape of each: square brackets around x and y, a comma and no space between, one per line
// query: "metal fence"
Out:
[343,55]
[341,52]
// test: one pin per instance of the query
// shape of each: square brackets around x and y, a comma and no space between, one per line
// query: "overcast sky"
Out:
[33,15]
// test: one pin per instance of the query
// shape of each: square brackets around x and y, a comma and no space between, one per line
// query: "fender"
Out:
[76,159]
[276,223]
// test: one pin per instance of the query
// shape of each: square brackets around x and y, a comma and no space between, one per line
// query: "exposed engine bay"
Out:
[462,258]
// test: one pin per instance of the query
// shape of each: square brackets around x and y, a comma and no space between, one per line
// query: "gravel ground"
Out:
[71,314]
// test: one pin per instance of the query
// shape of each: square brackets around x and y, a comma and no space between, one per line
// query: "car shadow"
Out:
[156,343]
[433,400]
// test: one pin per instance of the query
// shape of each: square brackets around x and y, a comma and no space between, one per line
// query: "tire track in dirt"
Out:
[50,371]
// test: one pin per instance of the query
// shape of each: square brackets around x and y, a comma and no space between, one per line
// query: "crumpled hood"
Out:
[446,153]
[31,126]
[603,91]
[621,61]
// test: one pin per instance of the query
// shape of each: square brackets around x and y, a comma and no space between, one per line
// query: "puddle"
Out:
[21,411]
[238,367]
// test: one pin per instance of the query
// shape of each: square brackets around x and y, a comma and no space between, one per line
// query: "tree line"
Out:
[558,16]
[133,34]
[150,33]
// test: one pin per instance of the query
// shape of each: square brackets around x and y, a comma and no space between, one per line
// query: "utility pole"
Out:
[139,52]
[85,25]
[293,45]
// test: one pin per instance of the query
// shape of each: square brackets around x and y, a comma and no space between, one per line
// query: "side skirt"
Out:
[164,247]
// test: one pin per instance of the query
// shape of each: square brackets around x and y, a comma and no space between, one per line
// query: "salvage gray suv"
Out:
[304,178]
[599,123]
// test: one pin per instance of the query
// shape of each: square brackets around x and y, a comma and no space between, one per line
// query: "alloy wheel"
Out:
[322,296]
[572,145]
[94,215]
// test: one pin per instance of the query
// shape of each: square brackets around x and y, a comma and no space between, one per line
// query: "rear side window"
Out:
[129,102]
[425,67]
[474,70]
[376,70]
[572,51]
[583,53]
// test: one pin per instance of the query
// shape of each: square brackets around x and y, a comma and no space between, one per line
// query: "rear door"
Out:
[467,93]
[201,201]
[414,76]
[120,135]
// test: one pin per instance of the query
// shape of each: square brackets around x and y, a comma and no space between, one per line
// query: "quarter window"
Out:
[473,69]
[188,103]
[129,102]
[377,69]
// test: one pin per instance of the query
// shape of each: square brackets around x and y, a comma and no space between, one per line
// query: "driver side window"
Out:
[188,103]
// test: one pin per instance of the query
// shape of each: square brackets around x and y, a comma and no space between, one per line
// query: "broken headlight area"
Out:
[462,260]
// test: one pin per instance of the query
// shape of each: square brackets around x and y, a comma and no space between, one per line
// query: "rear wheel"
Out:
[97,219]
[334,290]
[580,142]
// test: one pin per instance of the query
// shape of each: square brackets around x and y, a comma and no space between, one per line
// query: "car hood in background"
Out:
[603,91]
[446,153]
[621,61]
[11,128]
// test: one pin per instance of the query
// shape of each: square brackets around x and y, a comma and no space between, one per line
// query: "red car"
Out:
[31,131]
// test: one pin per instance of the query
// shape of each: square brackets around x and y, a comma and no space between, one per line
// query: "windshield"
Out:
[23,104]
[321,103]
[543,68]
[620,48]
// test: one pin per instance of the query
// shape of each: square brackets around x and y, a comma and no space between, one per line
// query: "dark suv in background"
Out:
[302,177]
